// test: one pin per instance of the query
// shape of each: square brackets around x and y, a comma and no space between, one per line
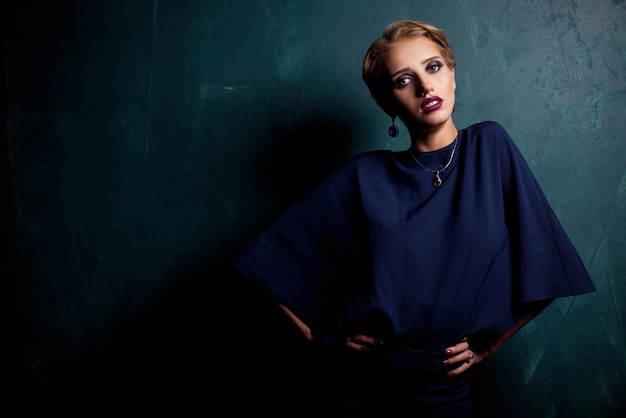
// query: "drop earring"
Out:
[393,130]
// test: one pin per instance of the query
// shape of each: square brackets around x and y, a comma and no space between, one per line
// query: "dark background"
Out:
[145,141]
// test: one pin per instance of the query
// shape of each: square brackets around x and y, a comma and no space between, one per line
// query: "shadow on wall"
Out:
[304,156]
[216,340]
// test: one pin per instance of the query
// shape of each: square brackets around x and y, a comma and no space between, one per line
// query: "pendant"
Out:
[437,182]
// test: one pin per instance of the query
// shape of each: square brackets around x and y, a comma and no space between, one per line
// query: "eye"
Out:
[434,66]
[401,82]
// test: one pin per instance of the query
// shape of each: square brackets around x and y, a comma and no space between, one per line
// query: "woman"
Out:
[409,268]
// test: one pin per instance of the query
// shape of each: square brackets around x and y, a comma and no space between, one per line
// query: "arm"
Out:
[459,353]
[357,342]
[301,325]
[462,352]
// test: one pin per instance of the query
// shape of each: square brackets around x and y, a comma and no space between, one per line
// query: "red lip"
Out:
[431,104]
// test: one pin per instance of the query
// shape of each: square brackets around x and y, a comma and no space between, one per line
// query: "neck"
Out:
[424,140]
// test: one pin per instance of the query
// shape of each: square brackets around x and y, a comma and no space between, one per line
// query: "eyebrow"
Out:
[431,58]
[423,62]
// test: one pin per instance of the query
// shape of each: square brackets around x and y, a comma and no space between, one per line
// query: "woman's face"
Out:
[422,85]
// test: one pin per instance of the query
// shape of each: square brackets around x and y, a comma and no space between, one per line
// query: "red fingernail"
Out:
[446,361]
[449,351]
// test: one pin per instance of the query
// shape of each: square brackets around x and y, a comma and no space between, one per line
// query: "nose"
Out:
[424,87]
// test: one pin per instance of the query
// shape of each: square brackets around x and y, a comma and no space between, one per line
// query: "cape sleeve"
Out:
[546,263]
[304,257]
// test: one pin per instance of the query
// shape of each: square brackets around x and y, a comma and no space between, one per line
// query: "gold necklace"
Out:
[437,182]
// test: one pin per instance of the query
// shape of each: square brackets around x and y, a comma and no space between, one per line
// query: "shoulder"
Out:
[490,141]
[368,160]
[363,167]
[486,129]
[489,134]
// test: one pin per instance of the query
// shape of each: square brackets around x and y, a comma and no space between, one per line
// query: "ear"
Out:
[453,79]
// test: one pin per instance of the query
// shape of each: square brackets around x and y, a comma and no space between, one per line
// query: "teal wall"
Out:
[145,141]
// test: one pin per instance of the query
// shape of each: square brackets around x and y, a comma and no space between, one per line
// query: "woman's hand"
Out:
[463,355]
[362,342]
[460,353]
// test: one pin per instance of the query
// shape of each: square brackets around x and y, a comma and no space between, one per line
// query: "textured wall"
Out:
[146,140]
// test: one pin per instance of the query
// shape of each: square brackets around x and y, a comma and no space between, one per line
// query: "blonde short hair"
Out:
[374,73]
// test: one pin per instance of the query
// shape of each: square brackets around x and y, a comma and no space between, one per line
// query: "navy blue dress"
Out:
[376,249]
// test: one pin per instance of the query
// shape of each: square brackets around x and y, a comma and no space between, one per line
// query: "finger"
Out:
[466,356]
[458,348]
[366,339]
[462,368]
[354,343]
[465,361]
[361,342]
[459,358]
[462,346]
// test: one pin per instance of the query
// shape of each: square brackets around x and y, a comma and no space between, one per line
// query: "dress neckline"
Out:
[433,160]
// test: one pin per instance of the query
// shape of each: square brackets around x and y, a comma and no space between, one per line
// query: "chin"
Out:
[438,117]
